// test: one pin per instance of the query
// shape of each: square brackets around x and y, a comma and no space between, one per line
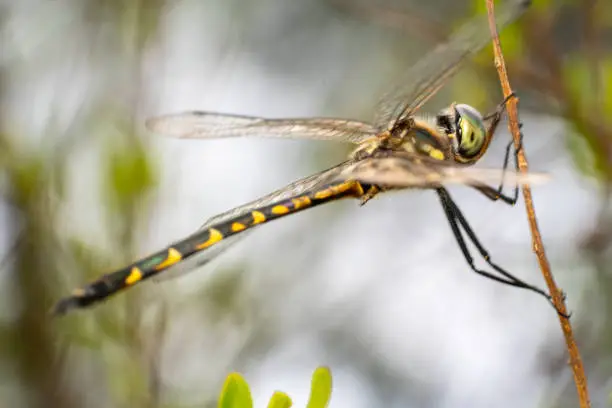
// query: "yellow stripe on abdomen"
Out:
[301,202]
[339,189]
[134,276]
[238,226]
[214,236]
[280,209]
[258,217]
[173,257]
[323,194]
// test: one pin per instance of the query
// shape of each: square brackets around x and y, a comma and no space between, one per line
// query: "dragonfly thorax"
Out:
[464,127]
[421,136]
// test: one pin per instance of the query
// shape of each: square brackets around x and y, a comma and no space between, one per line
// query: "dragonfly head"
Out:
[466,130]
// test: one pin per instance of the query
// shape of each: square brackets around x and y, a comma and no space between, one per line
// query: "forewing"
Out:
[210,125]
[430,73]
[296,188]
[414,171]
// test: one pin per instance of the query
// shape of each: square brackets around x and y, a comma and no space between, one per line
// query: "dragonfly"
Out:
[399,150]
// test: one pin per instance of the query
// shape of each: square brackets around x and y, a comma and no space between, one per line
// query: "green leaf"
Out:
[279,400]
[235,393]
[321,388]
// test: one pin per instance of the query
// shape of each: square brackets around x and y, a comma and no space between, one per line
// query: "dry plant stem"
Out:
[538,246]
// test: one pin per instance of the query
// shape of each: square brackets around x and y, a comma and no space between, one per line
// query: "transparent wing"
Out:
[296,188]
[199,260]
[414,171]
[430,73]
[210,125]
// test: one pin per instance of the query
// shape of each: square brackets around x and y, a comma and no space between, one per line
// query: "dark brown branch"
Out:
[538,246]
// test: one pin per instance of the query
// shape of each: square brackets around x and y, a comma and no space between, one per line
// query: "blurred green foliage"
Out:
[236,393]
[321,388]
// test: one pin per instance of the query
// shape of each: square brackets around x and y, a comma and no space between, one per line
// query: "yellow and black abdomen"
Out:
[154,264]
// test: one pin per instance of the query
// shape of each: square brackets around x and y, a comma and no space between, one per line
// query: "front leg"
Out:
[489,192]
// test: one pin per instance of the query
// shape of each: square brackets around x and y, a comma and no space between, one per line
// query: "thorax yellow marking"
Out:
[359,189]
[173,257]
[433,152]
[422,137]
[438,147]
[214,237]
[344,187]
[135,276]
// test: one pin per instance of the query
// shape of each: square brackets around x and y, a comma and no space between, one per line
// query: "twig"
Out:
[538,246]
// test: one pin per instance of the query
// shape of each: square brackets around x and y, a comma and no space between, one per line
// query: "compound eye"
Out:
[471,133]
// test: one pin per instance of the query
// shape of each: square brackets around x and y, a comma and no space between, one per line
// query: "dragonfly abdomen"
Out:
[150,266]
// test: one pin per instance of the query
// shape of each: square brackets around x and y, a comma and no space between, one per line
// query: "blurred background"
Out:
[381,294]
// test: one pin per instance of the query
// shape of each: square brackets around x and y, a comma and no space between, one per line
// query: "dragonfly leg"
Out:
[500,108]
[459,225]
[497,194]
[494,194]
[369,194]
